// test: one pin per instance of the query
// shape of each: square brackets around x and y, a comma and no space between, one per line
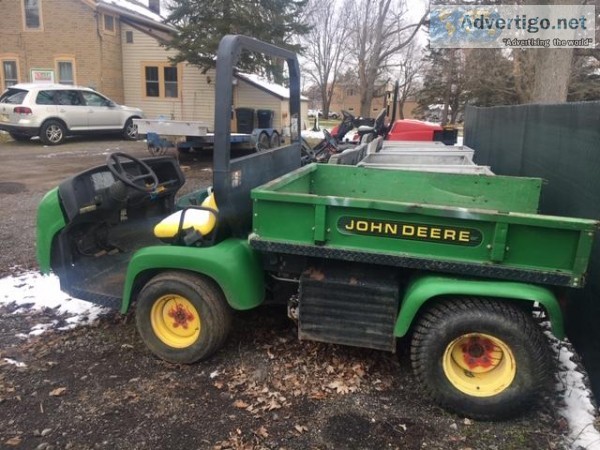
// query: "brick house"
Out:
[114,46]
[347,96]
[69,41]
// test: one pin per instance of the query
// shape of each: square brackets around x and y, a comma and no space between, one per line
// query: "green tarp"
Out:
[561,144]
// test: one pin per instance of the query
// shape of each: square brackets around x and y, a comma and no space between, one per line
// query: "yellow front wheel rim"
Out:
[175,321]
[479,365]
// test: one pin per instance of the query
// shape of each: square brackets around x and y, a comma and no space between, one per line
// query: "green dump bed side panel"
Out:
[422,220]
[428,188]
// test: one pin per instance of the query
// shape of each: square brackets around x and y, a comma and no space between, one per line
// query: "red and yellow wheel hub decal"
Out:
[175,321]
[479,365]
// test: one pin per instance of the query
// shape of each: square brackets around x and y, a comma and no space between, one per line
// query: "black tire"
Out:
[275,140]
[210,305]
[53,132]
[263,142]
[444,326]
[20,137]
[130,132]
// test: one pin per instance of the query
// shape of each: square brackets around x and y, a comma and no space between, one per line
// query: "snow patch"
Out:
[32,291]
[14,363]
[309,134]
[578,409]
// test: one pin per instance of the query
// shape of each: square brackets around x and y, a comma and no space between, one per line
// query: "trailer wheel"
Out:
[182,317]
[263,142]
[481,358]
[275,140]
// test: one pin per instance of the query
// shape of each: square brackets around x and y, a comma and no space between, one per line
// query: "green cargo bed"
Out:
[468,224]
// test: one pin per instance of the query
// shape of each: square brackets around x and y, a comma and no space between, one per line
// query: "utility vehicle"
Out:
[457,263]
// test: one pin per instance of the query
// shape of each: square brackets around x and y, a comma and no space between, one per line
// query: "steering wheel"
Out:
[128,176]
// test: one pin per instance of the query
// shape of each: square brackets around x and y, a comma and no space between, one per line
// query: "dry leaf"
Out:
[339,387]
[58,392]
[262,432]
[218,384]
[14,441]
[273,405]
[240,404]
[300,428]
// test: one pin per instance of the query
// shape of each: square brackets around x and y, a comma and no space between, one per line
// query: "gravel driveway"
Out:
[98,387]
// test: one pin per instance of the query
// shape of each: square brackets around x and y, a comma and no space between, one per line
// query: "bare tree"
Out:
[326,47]
[379,30]
[409,70]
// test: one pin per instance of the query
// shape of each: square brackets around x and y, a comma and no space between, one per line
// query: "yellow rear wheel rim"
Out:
[479,365]
[175,321]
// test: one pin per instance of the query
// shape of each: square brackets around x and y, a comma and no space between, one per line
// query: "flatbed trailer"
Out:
[160,134]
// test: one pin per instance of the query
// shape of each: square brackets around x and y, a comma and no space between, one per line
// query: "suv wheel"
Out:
[52,132]
[130,131]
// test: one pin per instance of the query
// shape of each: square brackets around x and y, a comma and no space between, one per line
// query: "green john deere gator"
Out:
[457,263]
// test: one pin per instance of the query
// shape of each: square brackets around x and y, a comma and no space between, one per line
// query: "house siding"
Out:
[196,96]
[70,30]
[196,100]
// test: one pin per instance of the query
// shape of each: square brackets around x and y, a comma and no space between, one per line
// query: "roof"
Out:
[275,89]
[29,86]
[136,10]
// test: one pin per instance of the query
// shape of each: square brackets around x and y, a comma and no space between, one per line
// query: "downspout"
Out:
[100,51]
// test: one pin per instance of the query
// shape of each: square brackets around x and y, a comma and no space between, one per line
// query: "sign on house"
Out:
[42,76]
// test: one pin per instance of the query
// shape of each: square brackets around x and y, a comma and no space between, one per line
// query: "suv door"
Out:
[101,112]
[70,108]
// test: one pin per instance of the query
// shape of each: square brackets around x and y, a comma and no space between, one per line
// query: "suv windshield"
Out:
[13,96]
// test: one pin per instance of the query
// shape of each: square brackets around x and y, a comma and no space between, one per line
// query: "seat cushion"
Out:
[200,220]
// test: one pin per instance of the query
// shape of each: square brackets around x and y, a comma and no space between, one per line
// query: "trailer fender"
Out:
[232,264]
[50,220]
[423,289]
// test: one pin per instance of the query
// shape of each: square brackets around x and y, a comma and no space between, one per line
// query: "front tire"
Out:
[481,358]
[182,317]
[53,132]
[130,130]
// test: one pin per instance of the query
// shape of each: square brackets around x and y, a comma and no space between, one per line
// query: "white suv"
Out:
[54,111]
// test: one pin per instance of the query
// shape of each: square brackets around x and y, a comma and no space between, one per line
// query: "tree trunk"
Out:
[401,109]
[552,75]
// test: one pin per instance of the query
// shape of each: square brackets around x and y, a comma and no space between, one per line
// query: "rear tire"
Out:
[20,137]
[53,132]
[182,317]
[481,358]
[275,140]
[263,142]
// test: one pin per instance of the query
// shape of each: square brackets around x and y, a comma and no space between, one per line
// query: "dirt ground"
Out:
[98,387]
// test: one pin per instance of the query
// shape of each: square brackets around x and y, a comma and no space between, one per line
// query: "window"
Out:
[109,23]
[10,73]
[170,82]
[45,98]
[65,70]
[32,14]
[161,80]
[93,99]
[67,98]
[129,37]
[152,82]
[13,96]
